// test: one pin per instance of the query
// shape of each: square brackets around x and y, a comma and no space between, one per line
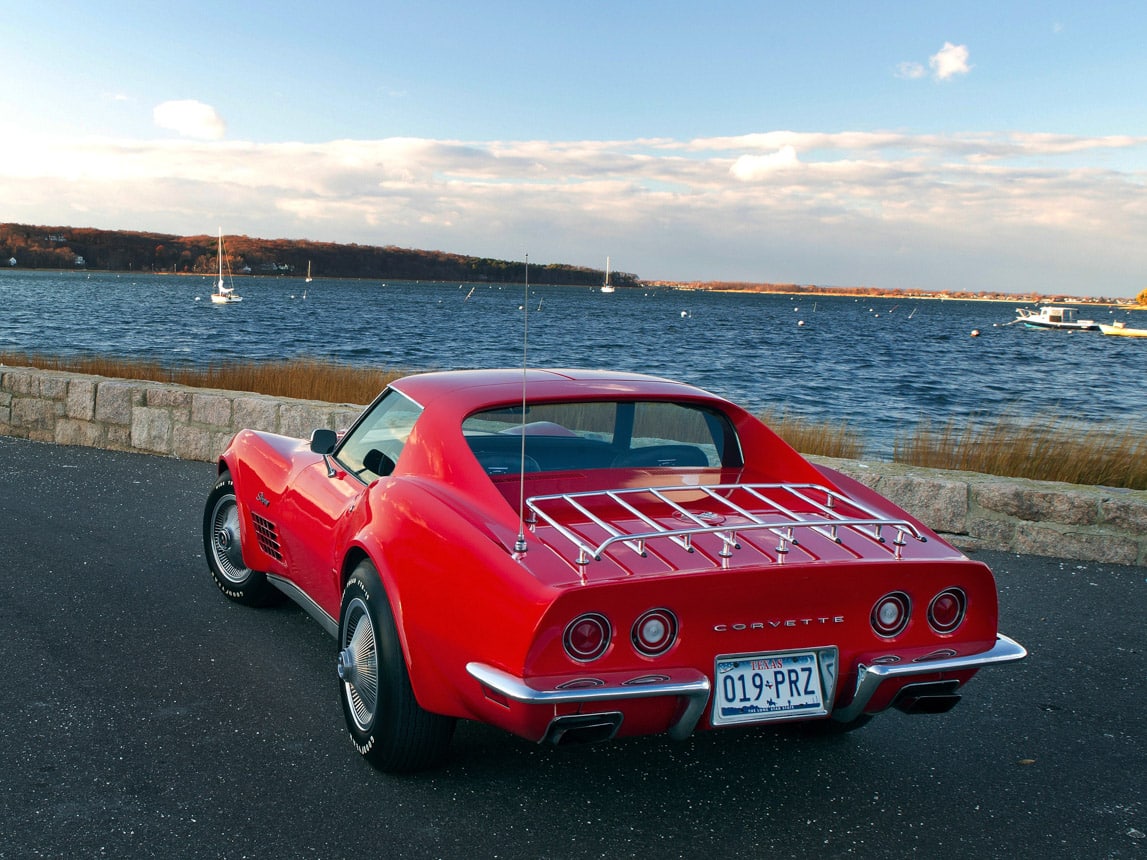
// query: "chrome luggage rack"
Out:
[830,512]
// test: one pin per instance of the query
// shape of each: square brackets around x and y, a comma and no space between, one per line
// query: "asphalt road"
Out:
[143,715]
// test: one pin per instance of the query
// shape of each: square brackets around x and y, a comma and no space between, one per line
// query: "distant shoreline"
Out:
[747,289]
[1015,300]
[864,293]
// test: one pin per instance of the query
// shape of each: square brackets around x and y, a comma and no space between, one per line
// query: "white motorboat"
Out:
[1054,317]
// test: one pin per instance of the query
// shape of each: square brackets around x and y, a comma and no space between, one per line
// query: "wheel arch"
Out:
[355,555]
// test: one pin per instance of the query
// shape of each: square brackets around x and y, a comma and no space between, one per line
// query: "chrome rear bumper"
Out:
[693,686]
[690,685]
[1005,650]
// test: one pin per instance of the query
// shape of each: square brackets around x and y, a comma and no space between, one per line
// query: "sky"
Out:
[996,146]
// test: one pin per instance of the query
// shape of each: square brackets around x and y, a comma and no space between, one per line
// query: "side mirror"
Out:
[324,441]
[378,462]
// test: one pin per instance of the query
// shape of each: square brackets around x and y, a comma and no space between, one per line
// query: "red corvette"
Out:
[579,555]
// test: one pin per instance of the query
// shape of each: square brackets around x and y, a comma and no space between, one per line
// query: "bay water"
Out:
[880,364]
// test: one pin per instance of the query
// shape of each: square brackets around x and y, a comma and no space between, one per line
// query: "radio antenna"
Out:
[520,544]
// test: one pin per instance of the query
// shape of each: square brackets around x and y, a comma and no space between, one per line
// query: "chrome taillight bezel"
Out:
[572,638]
[643,644]
[891,628]
[961,598]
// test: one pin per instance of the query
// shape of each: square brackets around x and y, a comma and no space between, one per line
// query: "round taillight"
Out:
[946,611]
[654,632]
[890,614]
[587,637]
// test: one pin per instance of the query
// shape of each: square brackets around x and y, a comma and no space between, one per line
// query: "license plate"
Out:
[758,688]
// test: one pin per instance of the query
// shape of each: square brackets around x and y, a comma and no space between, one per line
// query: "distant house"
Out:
[80,261]
[11,261]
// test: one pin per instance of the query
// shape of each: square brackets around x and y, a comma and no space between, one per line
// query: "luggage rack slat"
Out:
[780,519]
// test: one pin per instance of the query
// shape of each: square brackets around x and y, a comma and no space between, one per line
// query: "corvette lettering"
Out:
[788,622]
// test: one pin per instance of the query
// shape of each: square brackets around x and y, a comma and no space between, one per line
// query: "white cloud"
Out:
[751,167]
[190,118]
[779,205]
[949,61]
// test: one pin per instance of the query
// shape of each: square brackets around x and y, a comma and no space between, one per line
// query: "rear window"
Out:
[601,435]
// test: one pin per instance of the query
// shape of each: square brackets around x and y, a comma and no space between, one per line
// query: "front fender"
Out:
[261,466]
[271,458]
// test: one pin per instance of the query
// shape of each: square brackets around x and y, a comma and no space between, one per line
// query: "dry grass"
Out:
[1042,448]
[307,379]
[816,438]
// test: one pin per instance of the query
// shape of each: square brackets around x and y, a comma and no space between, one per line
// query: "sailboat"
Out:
[223,294]
[307,281]
[607,287]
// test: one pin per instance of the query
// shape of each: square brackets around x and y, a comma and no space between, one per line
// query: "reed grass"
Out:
[1043,448]
[817,438]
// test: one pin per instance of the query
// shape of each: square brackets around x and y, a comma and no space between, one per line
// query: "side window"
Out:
[374,445]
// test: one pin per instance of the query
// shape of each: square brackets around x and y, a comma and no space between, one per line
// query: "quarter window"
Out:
[373,446]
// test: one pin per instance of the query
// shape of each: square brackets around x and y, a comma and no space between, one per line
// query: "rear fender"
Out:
[432,594]
[431,683]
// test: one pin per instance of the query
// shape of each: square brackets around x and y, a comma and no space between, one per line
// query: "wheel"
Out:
[224,552]
[385,721]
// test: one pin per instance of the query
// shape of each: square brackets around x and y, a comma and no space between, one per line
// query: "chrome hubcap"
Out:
[346,666]
[358,665]
[225,541]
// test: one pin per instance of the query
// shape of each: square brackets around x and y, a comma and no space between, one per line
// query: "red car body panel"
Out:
[482,622]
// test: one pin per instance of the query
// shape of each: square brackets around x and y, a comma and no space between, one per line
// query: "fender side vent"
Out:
[267,536]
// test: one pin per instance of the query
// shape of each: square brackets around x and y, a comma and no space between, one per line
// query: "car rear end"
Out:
[689,606]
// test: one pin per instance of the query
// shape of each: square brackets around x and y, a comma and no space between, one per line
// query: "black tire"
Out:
[386,723]
[224,551]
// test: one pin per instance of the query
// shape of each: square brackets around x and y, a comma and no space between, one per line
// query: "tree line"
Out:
[47,247]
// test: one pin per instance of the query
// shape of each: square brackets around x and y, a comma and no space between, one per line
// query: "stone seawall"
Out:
[975,511]
[971,510]
[149,417]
